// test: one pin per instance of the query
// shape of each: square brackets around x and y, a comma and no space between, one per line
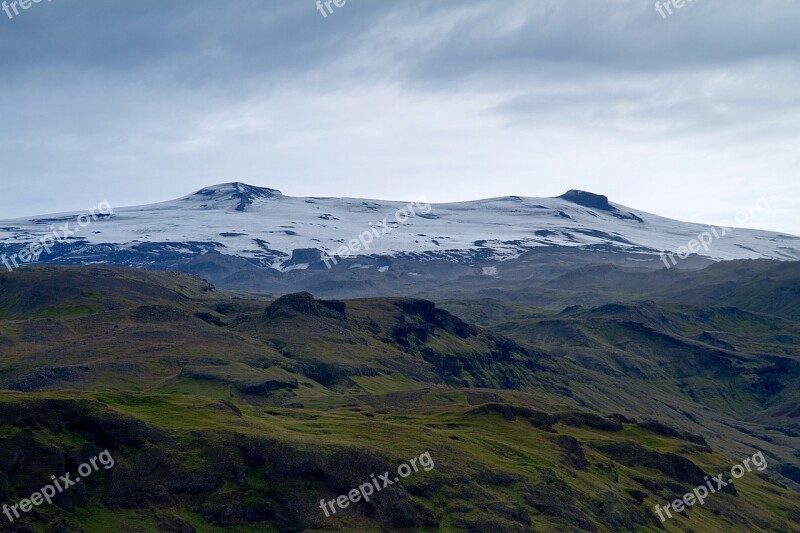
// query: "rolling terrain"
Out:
[231,411]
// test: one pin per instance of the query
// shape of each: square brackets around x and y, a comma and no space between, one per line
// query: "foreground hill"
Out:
[228,412]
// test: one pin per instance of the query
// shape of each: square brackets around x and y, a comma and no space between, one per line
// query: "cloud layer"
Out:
[693,117]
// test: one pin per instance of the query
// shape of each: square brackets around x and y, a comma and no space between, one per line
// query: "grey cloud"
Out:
[143,100]
[591,37]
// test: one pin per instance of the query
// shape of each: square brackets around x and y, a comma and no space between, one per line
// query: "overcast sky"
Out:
[693,116]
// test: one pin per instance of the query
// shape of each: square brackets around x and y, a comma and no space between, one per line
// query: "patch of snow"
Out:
[497,228]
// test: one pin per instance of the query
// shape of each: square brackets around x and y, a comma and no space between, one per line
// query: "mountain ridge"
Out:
[242,229]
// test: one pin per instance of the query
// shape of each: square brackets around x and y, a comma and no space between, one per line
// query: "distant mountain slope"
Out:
[761,286]
[274,232]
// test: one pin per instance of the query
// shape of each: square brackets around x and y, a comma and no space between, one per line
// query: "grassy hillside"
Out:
[228,412]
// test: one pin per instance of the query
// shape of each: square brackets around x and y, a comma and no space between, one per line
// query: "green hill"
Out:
[230,412]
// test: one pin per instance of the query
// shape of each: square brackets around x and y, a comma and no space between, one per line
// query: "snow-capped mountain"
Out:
[263,228]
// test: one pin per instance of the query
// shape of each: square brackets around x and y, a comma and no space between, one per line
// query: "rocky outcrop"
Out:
[41,378]
[538,419]
[253,480]
[303,303]
[667,431]
[578,419]
[676,467]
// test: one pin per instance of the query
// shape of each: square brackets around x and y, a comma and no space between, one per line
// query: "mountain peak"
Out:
[241,193]
[587,199]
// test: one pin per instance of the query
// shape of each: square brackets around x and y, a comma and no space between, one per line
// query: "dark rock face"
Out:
[452,324]
[304,255]
[573,452]
[247,194]
[44,377]
[255,384]
[150,471]
[303,303]
[790,471]
[28,461]
[267,386]
[588,199]
[596,201]
[662,429]
[102,425]
[554,498]
[538,419]
[678,468]
[637,495]
[173,524]
[210,319]
[147,462]
[159,313]
[491,366]
[577,419]
[421,318]
[242,194]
